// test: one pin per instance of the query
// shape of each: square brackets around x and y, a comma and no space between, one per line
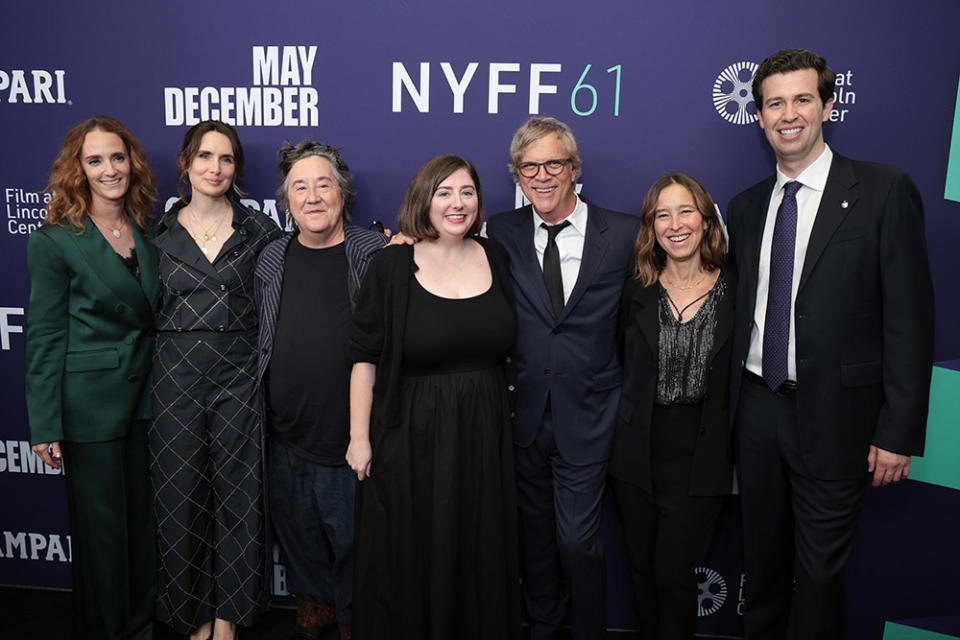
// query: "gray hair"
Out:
[289,155]
[539,127]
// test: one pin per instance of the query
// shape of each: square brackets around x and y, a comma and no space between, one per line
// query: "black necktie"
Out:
[776,324]
[551,265]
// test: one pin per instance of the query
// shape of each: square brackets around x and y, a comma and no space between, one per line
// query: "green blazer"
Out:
[90,335]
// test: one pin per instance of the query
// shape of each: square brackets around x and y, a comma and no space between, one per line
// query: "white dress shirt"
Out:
[813,179]
[569,243]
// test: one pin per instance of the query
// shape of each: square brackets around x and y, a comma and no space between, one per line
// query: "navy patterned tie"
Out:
[551,265]
[776,325]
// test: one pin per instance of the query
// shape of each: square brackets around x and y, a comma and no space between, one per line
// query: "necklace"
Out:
[115,231]
[208,235]
[674,285]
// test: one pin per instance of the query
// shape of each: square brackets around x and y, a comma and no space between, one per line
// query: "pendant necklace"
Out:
[209,234]
[114,231]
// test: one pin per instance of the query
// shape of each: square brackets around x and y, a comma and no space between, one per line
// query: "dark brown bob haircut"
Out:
[787,60]
[191,146]
[68,182]
[649,256]
[414,217]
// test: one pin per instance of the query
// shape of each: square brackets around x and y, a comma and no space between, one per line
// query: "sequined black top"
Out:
[685,346]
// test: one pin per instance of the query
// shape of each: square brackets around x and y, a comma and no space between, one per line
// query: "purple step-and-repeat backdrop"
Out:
[646,86]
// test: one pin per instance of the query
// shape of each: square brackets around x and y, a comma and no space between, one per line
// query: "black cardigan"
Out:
[380,316]
[712,472]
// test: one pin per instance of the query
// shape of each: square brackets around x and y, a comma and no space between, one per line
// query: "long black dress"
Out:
[436,549]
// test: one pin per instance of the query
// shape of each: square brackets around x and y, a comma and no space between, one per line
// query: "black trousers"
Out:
[667,532]
[795,527]
[112,537]
[559,506]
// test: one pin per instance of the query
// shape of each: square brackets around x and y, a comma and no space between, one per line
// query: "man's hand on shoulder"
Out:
[887,467]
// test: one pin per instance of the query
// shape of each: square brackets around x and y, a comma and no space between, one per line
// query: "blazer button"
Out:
[510,387]
[507,360]
[179,329]
[223,287]
[221,328]
[133,377]
[547,371]
[702,430]
[128,340]
[121,308]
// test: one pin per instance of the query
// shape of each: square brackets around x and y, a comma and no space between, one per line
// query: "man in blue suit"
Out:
[568,263]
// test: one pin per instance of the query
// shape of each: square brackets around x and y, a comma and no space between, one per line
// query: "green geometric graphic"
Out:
[952,189]
[941,464]
[894,631]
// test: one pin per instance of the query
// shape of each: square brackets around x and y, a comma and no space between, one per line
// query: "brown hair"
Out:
[191,146]
[540,127]
[414,216]
[787,60]
[649,256]
[68,183]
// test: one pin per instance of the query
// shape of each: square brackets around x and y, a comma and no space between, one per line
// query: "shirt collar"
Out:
[577,219]
[814,176]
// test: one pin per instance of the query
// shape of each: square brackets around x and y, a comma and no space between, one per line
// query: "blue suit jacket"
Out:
[572,359]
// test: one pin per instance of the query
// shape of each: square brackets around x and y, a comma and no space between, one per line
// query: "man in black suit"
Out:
[568,262]
[832,353]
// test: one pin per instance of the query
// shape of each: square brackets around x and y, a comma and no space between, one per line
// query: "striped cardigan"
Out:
[361,245]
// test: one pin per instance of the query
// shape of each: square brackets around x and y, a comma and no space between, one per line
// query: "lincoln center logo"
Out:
[733,95]
[711,591]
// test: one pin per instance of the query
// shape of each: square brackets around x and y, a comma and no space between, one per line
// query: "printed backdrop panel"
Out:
[646,86]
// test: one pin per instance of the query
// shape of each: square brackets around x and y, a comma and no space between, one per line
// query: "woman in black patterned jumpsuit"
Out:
[206,438]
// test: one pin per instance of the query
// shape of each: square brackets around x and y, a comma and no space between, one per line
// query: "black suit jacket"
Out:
[571,358]
[712,472]
[863,315]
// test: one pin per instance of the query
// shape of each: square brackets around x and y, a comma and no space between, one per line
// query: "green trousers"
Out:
[112,537]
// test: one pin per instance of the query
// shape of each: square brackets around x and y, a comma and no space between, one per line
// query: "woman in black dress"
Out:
[206,437]
[671,466]
[436,548]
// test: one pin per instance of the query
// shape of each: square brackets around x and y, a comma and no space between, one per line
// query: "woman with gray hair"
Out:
[306,285]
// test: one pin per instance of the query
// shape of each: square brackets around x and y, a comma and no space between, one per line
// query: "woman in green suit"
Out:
[93,292]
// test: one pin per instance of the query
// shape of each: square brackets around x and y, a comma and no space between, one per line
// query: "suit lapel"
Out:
[646,314]
[725,319]
[528,272]
[149,277]
[752,236]
[594,249]
[839,197]
[105,263]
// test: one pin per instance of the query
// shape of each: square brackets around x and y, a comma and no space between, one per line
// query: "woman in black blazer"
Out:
[671,465]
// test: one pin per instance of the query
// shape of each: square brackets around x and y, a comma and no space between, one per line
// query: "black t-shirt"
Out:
[309,372]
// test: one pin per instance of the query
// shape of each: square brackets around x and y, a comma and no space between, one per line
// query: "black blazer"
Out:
[863,315]
[712,472]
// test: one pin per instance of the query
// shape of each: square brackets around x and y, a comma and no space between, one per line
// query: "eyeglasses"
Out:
[553,167]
